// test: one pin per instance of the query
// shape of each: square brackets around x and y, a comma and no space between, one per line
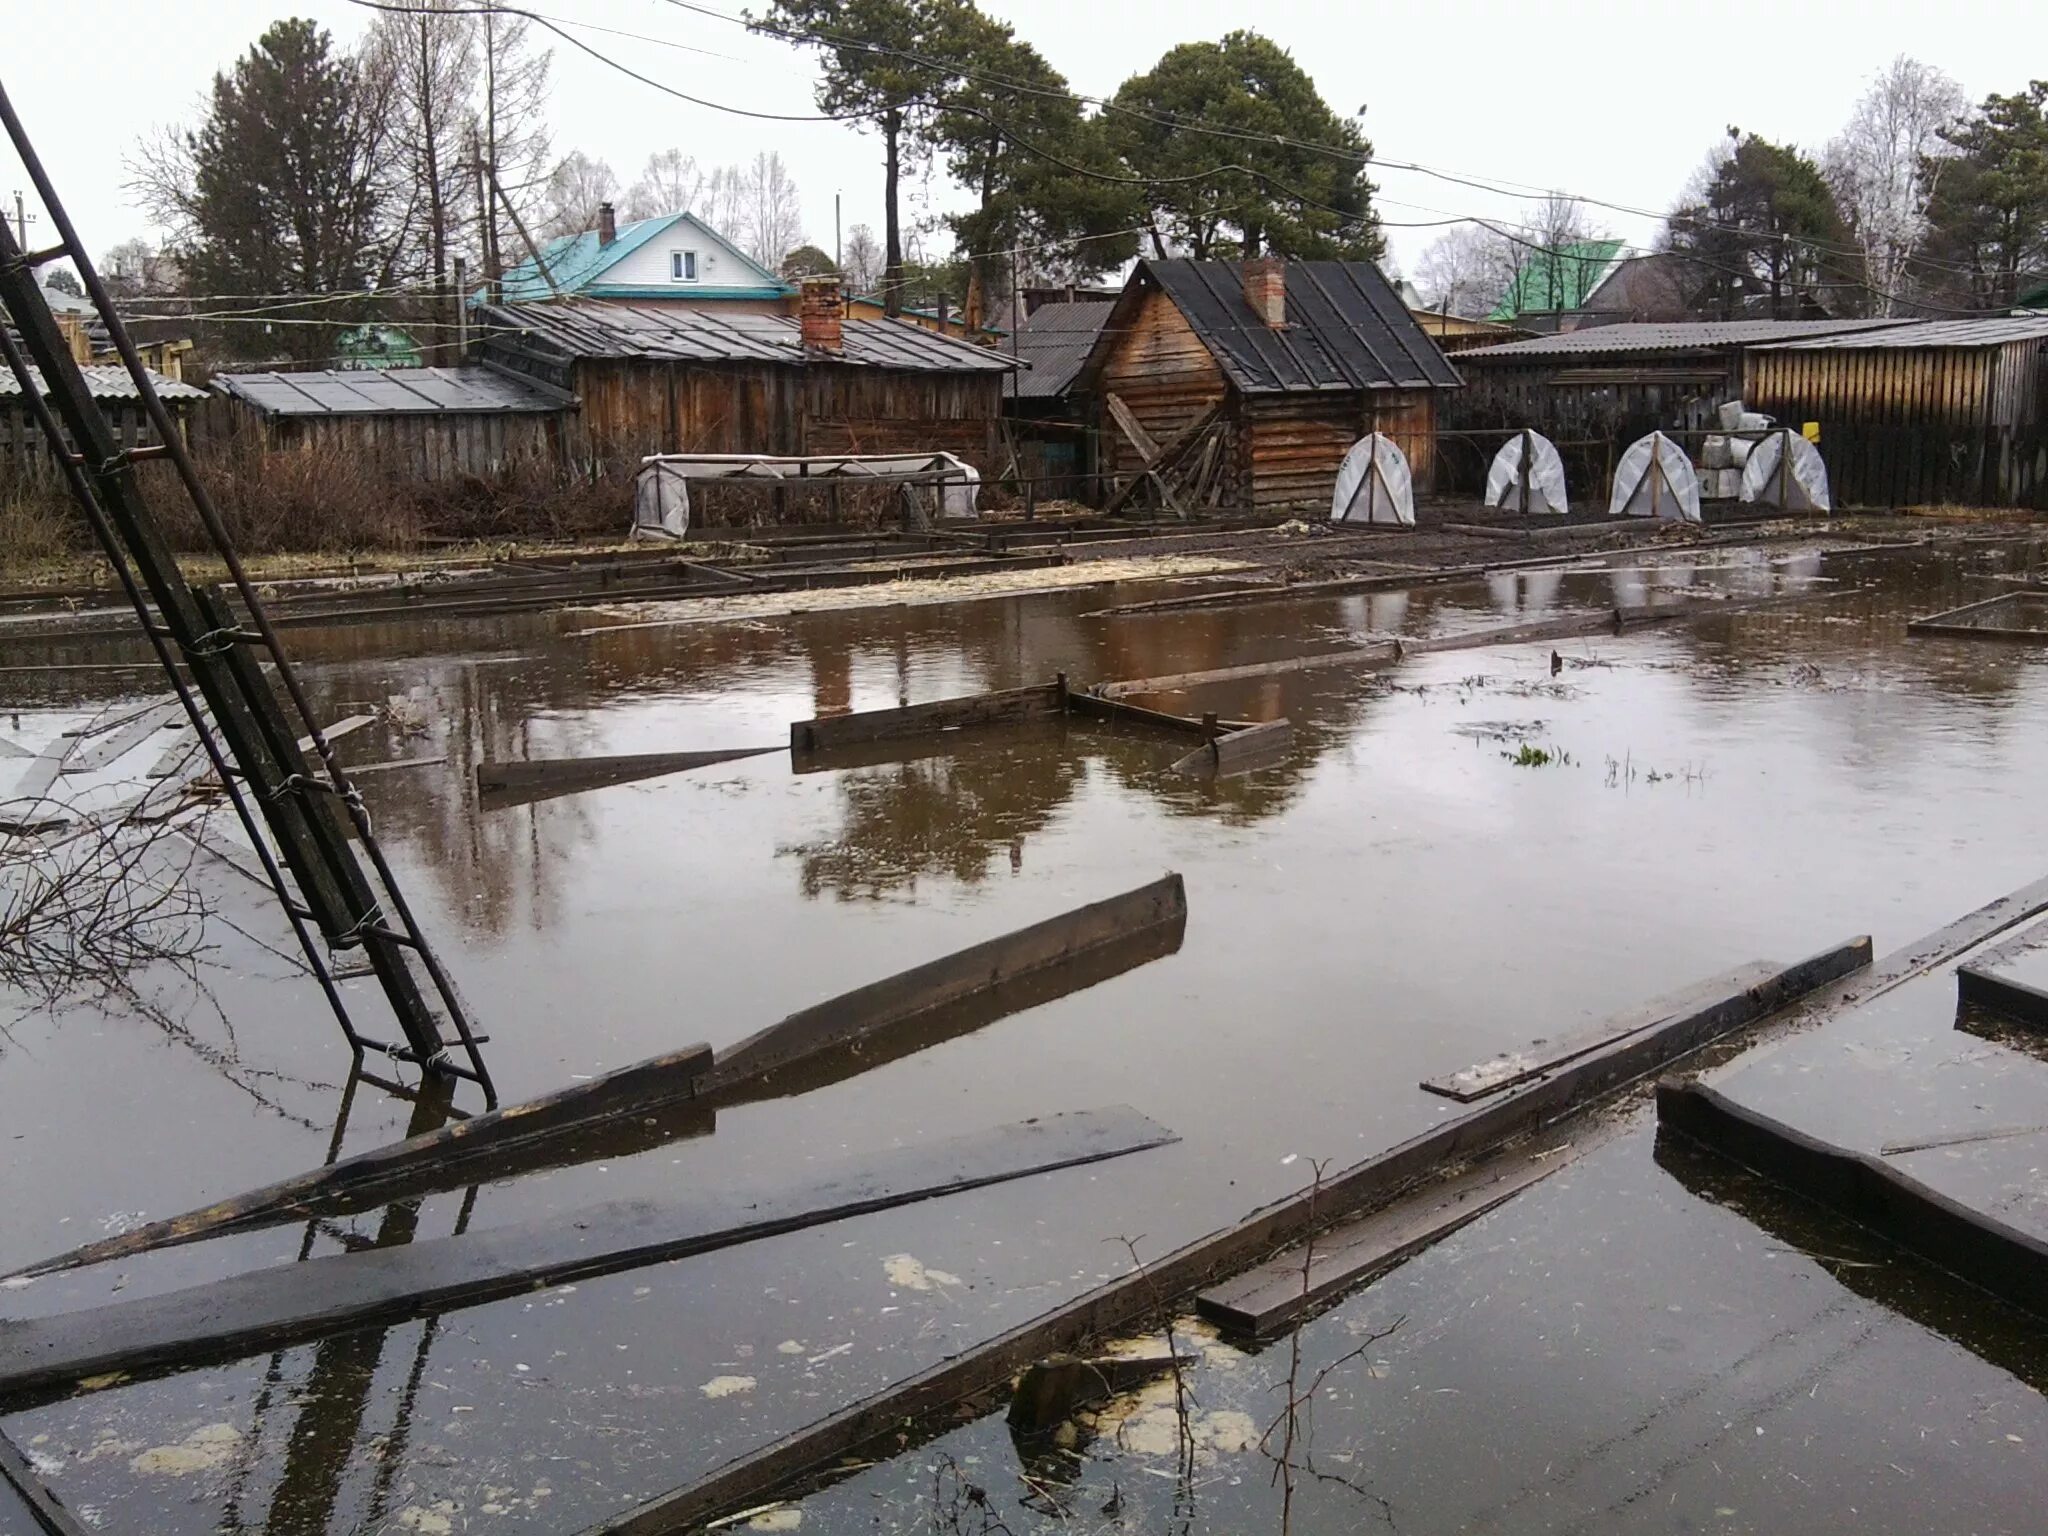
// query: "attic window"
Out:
[682,266]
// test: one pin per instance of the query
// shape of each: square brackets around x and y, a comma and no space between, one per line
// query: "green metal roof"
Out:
[1555,279]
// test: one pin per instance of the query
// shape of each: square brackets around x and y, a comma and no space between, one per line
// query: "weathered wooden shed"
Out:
[1936,411]
[1594,391]
[25,452]
[1052,419]
[424,423]
[1292,362]
[684,381]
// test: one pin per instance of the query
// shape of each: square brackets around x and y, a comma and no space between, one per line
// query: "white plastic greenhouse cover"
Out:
[661,494]
[1806,486]
[1373,485]
[1546,476]
[1656,479]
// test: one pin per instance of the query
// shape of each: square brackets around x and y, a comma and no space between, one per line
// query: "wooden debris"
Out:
[1273,1297]
[916,720]
[1141,1294]
[344,727]
[280,1306]
[1053,1390]
[1504,1071]
[447,1153]
[521,783]
[1978,985]
[1971,1244]
[1239,751]
[873,1010]
[27,1503]
[1977,621]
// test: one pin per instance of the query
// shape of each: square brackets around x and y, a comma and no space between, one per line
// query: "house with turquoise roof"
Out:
[673,260]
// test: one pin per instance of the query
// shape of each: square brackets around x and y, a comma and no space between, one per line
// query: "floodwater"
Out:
[1396,898]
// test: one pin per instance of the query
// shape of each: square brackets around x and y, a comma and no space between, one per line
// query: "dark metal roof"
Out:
[597,330]
[391,392]
[109,381]
[1346,329]
[1659,336]
[1991,331]
[1055,340]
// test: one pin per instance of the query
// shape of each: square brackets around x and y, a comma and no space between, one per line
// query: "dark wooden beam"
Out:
[444,1155]
[520,783]
[897,1000]
[1239,751]
[1974,1245]
[285,1305]
[915,720]
[27,1504]
[1140,1296]
[1982,987]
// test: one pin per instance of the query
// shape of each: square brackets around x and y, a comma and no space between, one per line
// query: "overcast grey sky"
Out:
[1616,102]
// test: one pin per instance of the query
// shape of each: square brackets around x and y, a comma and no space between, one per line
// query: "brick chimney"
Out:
[607,224]
[1265,289]
[821,315]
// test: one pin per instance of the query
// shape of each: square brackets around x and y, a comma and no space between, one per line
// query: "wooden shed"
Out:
[423,423]
[1596,390]
[1932,412]
[683,381]
[25,452]
[1284,364]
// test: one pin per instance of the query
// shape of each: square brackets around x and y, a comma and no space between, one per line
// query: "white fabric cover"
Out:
[1546,476]
[661,495]
[1806,486]
[1655,479]
[1373,485]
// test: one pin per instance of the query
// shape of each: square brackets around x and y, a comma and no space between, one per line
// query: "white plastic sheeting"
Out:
[661,494]
[1655,479]
[1373,485]
[1546,476]
[1804,484]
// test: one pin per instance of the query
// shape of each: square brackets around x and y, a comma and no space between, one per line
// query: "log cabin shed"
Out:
[421,423]
[690,381]
[1921,414]
[1293,362]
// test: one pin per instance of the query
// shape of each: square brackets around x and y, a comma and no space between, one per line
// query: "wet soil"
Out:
[1396,898]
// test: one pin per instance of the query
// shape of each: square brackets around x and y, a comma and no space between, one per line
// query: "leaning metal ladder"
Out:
[244,729]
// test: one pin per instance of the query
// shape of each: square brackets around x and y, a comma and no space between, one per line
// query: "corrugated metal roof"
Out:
[704,336]
[1659,336]
[390,392]
[1991,331]
[110,381]
[1055,340]
[1345,328]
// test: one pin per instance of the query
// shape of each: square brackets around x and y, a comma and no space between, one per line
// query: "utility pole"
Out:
[21,220]
[838,252]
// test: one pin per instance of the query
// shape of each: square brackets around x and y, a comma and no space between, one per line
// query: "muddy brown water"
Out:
[1395,899]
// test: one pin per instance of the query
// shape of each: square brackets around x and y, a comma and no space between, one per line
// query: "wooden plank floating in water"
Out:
[856,1032]
[443,1153]
[899,999]
[1272,1297]
[1972,621]
[1504,1071]
[914,720]
[1972,1244]
[521,783]
[2010,999]
[1140,1295]
[291,1304]
[1239,751]
[27,1503]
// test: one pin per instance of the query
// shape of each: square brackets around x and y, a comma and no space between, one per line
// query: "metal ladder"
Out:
[249,738]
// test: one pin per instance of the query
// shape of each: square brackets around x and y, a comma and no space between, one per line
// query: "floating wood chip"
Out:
[280,1306]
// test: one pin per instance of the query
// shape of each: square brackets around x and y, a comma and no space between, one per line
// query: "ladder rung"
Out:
[143,451]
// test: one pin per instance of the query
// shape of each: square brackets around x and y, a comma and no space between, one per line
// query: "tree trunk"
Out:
[437,220]
[892,255]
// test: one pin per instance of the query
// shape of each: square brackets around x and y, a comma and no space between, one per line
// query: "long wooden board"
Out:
[1511,1067]
[1125,1302]
[1239,751]
[2014,1000]
[642,1086]
[27,1503]
[1271,1298]
[1972,1244]
[277,1307]
[522,783]
[896,1000]
[830,731]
